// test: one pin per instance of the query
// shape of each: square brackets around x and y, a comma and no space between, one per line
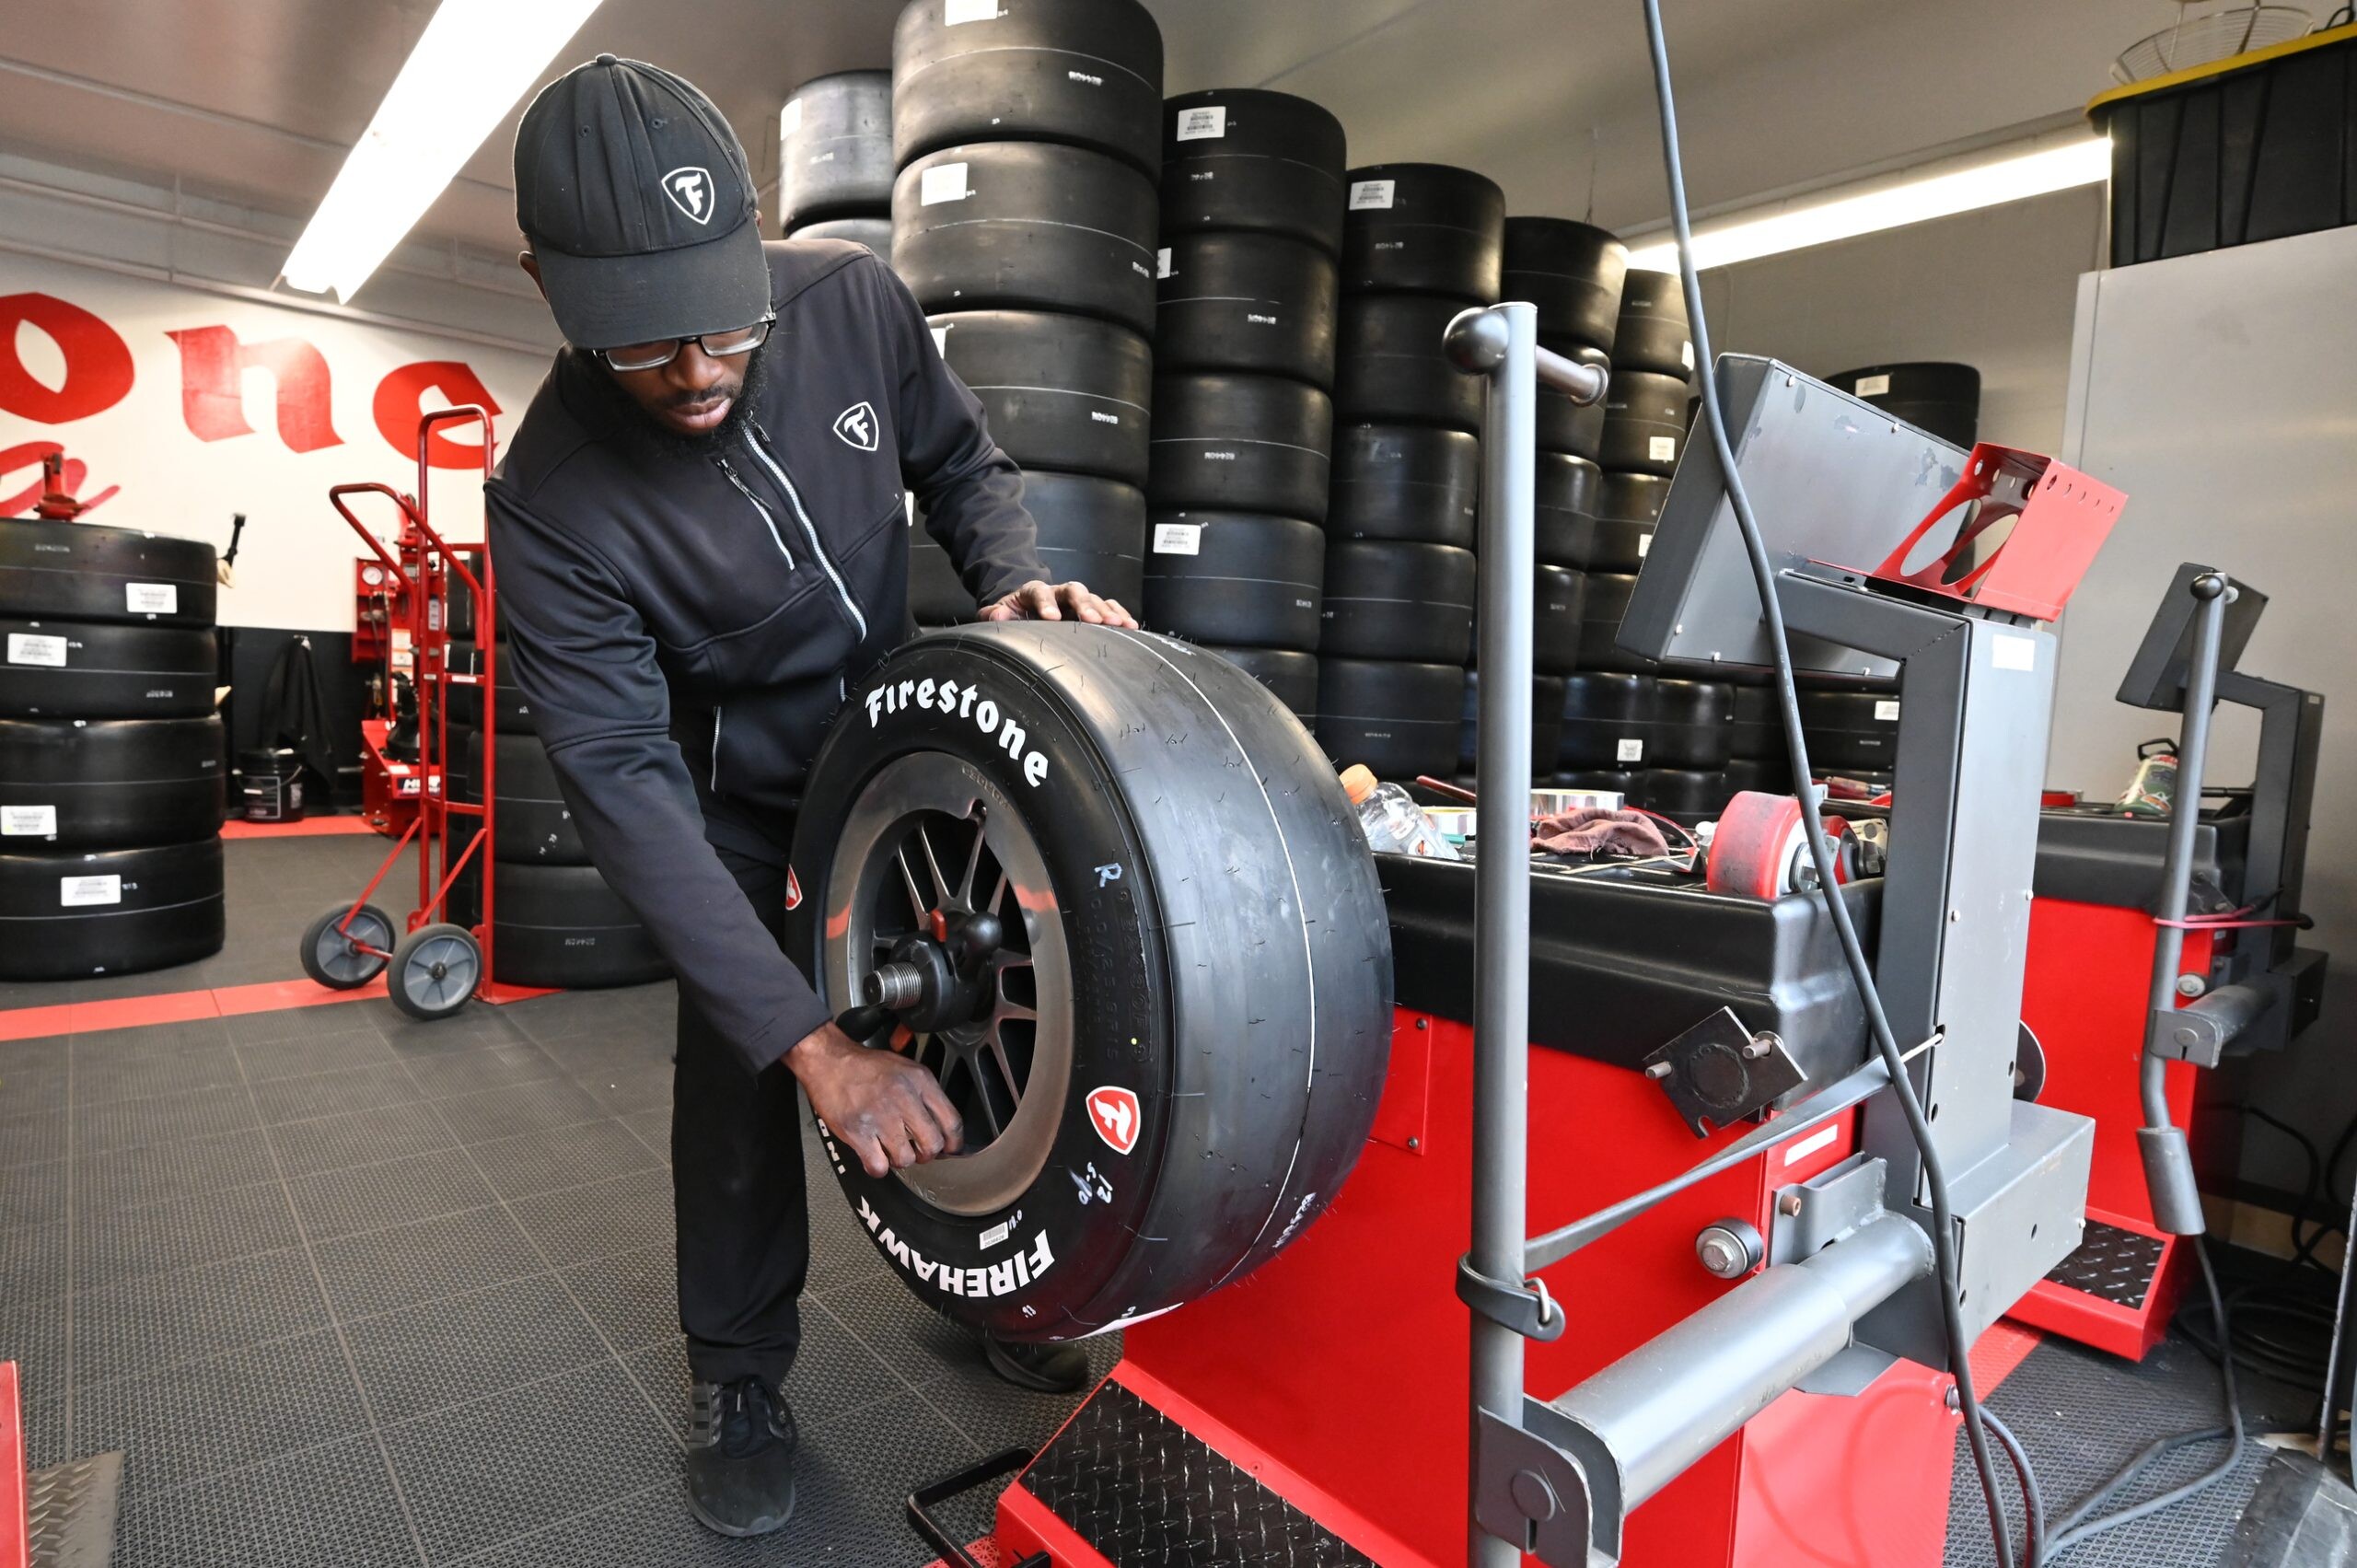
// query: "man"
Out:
[699,535]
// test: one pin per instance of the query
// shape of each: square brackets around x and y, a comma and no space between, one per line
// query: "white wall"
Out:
[1993,289]
[90,363]
[2220,392]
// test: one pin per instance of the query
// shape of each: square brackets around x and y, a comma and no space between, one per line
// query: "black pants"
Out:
[736,1187]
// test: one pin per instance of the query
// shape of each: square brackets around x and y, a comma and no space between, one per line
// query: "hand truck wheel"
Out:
[337,958]
[435,969]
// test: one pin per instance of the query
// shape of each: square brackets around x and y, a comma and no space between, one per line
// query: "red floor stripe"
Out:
[172,1007]
[2004,1347]
[309,827]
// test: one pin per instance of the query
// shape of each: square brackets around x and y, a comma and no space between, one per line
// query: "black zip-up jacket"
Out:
[684,625]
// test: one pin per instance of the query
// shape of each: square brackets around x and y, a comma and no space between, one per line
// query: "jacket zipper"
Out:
[776,536]
[715,748]
[761,445]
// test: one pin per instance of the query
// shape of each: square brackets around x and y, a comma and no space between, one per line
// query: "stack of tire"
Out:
[1757,758]
[1572,272]
[1942,399]
[554,921]
[1654,733]
[1244,366]
[834,160]
[1028,135]
[1420,242]
[111,777]
[1852,728]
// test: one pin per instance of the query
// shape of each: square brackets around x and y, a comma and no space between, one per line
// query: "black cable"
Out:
[1763,572]
[2303,1249]
[2071,1532]
[2033,1498]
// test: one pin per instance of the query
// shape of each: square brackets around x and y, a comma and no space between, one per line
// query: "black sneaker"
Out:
[740,1458]
[1042,1369]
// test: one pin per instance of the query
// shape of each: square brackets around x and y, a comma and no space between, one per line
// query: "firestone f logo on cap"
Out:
[690,192]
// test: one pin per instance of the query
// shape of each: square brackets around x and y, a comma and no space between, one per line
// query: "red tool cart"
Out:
[435,965]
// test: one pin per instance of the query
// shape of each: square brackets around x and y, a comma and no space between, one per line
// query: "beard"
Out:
[641,428]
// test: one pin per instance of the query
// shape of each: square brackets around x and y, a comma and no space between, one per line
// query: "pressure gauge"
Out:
[374,576]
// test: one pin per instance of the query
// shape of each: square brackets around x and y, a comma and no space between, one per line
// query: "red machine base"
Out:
[2117,1293]
[1317,1408]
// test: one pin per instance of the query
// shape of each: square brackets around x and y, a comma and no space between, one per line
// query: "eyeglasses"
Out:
[720,345]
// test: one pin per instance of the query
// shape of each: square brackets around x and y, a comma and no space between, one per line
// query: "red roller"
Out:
[1759,848]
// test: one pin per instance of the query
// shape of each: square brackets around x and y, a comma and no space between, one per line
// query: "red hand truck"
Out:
[436,964]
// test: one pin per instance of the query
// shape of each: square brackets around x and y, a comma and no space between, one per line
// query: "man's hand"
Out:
[889,1111]
[1036,600]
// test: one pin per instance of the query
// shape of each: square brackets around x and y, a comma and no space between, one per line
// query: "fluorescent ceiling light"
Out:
[474,61]
[1816,220]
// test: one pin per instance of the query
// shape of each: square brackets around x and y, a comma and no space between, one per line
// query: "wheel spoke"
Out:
[990,1106]
[973,858]
[998,1051]
[998,893]
[940,883]
[908,880]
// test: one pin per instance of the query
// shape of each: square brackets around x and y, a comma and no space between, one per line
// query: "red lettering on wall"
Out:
[97,362]
[30,456]
[400,403]
[213,363]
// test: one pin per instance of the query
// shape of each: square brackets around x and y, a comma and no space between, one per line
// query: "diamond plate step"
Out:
[74,1508]
[2112,1264]
[1148,1493]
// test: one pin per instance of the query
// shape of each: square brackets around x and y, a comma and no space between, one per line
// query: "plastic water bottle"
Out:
[1393,821]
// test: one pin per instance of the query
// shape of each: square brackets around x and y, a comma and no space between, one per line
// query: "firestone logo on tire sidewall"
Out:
[1113,1112]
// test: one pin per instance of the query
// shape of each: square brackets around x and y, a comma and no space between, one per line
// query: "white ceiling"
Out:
[256,100]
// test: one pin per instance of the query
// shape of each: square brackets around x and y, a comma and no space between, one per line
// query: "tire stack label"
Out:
[151,599]
[75,893]
[942,182]
[1194,125]
[956,12]
[28,822]
[1178,538]
[1369,193]
[25,647]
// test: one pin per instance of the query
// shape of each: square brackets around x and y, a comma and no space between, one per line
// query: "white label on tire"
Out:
[1873,386]
[1631,750]
[1686,354]
[954,12]
[1162,263]
[789,119]
[1012,1274]
[29,647]
[1194,125]
[74,893]
[28,822]
[1370,193]
[941,342]
[1662,448]
[942,182]
[1645,544]
[1178,538]
[1885,713]
[151,599]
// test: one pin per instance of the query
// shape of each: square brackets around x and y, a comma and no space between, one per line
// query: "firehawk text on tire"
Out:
[1141,943]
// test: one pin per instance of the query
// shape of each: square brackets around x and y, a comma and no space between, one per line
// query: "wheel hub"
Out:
[939,906]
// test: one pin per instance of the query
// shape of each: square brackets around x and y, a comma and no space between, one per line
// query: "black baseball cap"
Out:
[637,198]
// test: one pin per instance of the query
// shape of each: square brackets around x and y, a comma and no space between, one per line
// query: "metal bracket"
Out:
[1525,1308]
[1547,1487]
[2200,1031]
[1719,1072]
[1814,1215]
